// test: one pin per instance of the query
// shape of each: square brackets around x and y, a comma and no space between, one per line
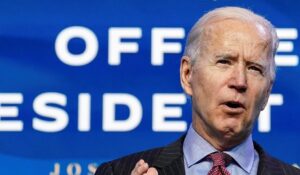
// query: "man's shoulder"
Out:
[124,165]
[277,165]
[158,157]
[271,165]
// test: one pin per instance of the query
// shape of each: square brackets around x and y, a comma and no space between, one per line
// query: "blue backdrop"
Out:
[62,62]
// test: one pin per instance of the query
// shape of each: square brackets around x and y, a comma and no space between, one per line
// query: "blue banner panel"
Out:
[83,82]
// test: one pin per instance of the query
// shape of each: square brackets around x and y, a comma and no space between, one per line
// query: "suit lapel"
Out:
[170,160]
[267,166]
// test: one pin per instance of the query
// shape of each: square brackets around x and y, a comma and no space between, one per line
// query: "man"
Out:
[228,70]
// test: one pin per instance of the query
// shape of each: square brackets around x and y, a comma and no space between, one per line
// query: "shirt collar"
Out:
[195,148]
[243,154]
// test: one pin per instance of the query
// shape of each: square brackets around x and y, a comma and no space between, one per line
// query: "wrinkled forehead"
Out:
[236,25]
[252,34]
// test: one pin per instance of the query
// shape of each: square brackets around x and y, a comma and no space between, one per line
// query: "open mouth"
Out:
[233,104]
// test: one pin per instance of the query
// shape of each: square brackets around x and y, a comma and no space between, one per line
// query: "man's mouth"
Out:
[234,107]
[234,104]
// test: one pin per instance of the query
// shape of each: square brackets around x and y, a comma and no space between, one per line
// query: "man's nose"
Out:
[238,80]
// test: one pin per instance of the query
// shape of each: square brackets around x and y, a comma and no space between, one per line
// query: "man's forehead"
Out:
[227,25]
[233,31]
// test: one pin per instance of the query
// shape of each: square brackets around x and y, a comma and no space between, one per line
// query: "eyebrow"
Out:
[233,56]
[227,55]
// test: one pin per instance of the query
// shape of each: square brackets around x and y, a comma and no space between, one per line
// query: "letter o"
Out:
[62,51]
[74,169]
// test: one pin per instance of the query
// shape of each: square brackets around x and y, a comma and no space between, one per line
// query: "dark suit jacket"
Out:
[169,161]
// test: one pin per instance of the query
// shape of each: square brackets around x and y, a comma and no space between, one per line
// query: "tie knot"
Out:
[220,159]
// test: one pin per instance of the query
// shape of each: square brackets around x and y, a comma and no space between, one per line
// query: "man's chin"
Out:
[232,136]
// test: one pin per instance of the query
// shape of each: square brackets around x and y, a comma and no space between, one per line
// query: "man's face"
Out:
[230,81]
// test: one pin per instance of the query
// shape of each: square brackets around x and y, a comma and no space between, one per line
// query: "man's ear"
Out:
[186,74]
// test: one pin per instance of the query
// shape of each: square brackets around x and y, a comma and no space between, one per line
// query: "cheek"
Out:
[204,90]
[208,85]
[259,97]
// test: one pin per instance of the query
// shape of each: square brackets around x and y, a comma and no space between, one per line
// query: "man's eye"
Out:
[223,61]
[254,68]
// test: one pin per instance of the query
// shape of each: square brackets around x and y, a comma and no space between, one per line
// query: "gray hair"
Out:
[192,48]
